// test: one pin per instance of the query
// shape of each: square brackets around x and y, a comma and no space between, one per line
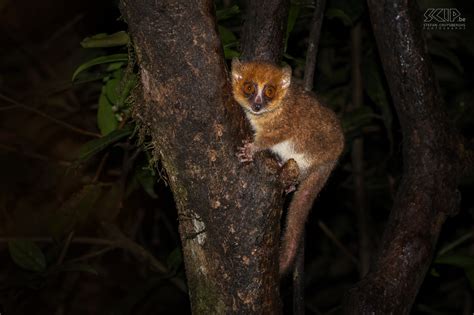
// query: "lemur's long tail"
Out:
[298,211]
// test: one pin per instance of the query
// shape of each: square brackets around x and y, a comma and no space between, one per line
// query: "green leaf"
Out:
[470,276]
[27,255]
[230,53]
[298,61]
[292,17]
[434,273]
[332,13]
[174,260]
[147,181]
[104,40]
[129,84]
[111,90]
[227,13]
[227,37]
[99,61]
[95,146]
[75,210]
[455,243]
[347,11]
[358,118]
[461,261]
[79,267]
[106,119]
[115,66]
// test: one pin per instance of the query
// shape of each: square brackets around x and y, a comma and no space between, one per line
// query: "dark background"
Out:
[69,208]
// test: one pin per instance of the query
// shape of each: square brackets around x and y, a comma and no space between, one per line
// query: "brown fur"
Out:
[294,116]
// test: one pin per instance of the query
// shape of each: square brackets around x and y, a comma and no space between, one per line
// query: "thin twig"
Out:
[126,243]
[313,43]
[92,254]
[311,55]
[456,243]
[44,68]
[62,30]
[44,239]
[9,107]
[47,116]
[122,242]
[357,156]
[298,281]
[65,248]
[100,168]
[338,243]
[33,155]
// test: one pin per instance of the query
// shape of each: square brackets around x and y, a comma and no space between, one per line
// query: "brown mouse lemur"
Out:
[293,124]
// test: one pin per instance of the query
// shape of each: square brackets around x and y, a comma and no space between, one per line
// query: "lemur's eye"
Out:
[269,91]
[249,88]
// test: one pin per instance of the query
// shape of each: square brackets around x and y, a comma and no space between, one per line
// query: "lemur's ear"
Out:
[236,69]
[286,78]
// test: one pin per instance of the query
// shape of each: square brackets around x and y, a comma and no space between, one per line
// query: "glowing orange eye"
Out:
[269,91]
[249,88]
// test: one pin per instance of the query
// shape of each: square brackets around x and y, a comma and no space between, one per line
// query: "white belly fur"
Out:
[285,150]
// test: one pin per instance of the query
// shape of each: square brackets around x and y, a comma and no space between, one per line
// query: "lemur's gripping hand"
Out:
[245,152]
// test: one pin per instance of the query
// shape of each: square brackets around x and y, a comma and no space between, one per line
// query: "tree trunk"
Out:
[229,213]
[432,166]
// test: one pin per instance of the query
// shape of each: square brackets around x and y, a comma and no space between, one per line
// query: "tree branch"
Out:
[313,44]
[229,213]
[310,67]
[263,32]
[357,156]
[47,116]
[427,193]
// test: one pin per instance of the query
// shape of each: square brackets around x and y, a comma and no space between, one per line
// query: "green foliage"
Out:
[359,118]
[114,101]
[95,146]
[339,14]
[75,210]
[227,13]
[465,262]
[346,11]
[229,41]
[175,260]
[100,61]
[27,255]
[147,180]
[292,17]
[104,40]
[106,119]
[116,181]
[81,267]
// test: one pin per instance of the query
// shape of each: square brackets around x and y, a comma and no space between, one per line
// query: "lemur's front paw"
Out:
[245,152]
[289,175]
[290,188]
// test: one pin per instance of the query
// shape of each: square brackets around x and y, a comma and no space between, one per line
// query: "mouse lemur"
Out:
[293,124]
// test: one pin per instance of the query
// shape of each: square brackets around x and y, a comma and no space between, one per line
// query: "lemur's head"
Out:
[259,87]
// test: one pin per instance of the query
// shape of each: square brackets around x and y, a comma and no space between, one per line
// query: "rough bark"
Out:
[432,166]
[263,32]
[229,213]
